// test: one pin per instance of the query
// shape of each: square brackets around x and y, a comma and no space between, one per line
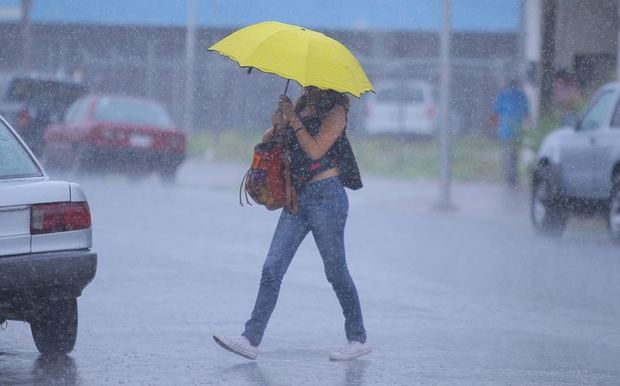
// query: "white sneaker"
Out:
[238,344]
[351,350]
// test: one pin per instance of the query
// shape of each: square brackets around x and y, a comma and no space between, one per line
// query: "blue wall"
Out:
[467,15]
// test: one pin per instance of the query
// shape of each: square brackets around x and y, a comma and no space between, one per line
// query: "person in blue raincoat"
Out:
[511,110]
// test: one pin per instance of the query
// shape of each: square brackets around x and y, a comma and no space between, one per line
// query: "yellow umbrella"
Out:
[300,54]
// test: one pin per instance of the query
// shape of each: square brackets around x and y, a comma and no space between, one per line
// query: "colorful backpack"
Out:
[268,180]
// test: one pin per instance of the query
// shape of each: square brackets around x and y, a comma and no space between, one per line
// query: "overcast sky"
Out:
[468,15]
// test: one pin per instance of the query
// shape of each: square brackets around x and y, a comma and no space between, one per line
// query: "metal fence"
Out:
[226,97]
[150,62]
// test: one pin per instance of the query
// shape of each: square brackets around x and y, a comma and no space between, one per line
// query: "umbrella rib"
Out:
[256,48]
[247,61]
[307,68]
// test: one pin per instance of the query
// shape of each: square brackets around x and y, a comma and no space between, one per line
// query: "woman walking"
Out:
[322,164]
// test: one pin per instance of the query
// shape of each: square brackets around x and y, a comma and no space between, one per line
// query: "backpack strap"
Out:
[291,194]
[243,189]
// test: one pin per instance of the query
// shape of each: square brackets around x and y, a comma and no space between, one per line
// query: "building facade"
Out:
[576,37]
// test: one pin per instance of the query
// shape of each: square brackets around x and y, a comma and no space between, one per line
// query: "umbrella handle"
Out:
[286,88]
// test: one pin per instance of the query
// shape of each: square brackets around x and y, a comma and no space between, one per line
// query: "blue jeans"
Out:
[323,209]
[510,150]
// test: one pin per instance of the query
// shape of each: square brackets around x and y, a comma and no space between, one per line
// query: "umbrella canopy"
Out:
[300,54]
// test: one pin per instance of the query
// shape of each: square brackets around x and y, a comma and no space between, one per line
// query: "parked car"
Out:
[401,107]
[116,133]
[31,103]
[578,168]
[46,255]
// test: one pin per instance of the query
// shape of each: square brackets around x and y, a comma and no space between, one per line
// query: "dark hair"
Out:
[328,99]
[514,82]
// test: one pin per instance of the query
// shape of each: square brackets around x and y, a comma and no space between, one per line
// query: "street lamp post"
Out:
[26,35]
[445,199]
[618,42]
[190,43]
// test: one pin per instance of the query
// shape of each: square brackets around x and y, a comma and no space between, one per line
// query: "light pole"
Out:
[26,35]
[618,45]
[190,43]
[445,198]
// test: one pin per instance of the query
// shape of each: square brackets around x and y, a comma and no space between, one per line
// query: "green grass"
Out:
[474,158]
[230,145]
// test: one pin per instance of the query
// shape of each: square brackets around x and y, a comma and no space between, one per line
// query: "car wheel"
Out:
[548,211]
[75,160]
[613,218]
[168,174]
[54,328]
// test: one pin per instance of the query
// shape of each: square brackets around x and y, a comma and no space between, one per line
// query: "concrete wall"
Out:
[585,27]
[579,36]
[531,35]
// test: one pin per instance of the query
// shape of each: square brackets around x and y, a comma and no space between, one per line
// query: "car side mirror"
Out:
[55,118]
[571,121]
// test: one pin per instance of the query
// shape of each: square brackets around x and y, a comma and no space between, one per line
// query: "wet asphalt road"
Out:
[470,296]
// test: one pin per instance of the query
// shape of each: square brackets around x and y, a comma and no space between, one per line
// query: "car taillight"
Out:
[430,111]
[176,140]
[111,134]
[59,217]
[23,118]
[108,135]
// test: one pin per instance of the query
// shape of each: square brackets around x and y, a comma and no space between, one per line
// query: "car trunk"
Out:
[140,137]
[14,229]
[15,201]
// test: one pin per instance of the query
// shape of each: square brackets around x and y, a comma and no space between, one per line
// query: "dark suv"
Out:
[31,103]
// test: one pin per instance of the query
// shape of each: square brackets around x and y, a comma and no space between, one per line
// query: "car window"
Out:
[615,120]
[77,111]
[131,112]
[400,95]
[15,162]
[598,112]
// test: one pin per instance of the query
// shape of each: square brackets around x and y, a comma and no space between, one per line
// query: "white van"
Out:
[401,107]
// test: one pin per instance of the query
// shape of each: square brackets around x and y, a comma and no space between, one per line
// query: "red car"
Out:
[118,133]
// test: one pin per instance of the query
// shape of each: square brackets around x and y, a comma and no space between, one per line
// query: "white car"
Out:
[46,255]
[578,168]
[401,107]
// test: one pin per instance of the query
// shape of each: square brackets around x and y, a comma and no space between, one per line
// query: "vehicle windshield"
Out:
[15,162]
[400,95]
[132,112]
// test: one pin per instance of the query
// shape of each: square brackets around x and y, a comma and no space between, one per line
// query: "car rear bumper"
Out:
[419,128]
[52,274]
[134,157]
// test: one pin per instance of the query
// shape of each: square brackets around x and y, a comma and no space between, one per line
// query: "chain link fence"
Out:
[150,63]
